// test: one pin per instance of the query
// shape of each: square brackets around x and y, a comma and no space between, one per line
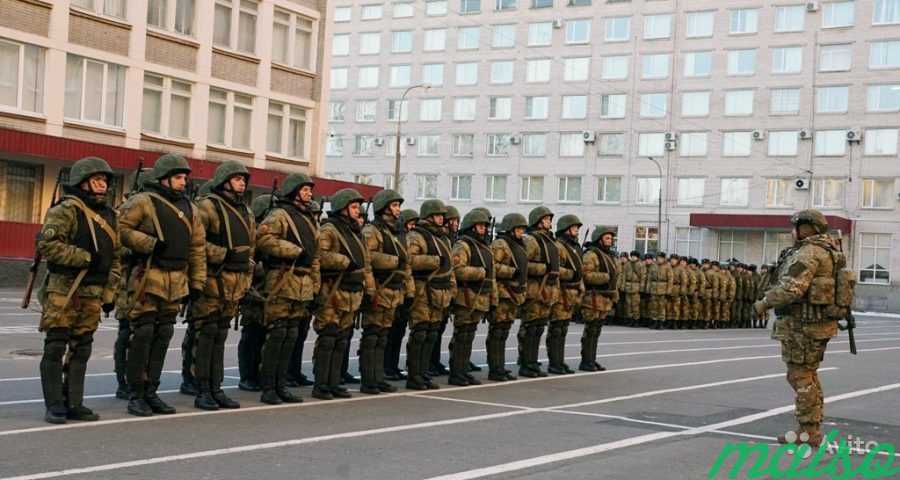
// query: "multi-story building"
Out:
[124,80]
[733,114]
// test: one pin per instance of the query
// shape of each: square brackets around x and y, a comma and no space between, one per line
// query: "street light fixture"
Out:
[659,204]
[399,112]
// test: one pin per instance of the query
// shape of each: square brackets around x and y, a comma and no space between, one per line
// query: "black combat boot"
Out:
[157,404]
[284,359]
[79,353]
[588,349]
[223,400]
[432,341]
[138,406]
[367,361]
[120,352]
[268,368]
[322,353]
[415,379]
[342,341]
[52,375]
[189,353]
[496,350]
[378,362]
[459,363]
[204,399]
[470,340]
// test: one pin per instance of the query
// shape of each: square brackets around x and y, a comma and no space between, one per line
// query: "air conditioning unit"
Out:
[589,136]
[671,146]
[671,137]
[515,140]
[379,142]
[801,184]
[410,141]
[557,23]
[759,135]
[854,135]
[805,134]
[812,6]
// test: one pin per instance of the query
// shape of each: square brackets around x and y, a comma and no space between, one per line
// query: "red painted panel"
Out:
[17,240]
[754,221]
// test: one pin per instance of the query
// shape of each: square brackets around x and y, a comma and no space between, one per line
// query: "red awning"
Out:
[759,222]
[49,147]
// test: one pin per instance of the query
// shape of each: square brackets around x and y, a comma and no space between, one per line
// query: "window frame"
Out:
[166,92]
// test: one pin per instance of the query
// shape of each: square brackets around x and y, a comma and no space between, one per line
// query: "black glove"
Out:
[408,302]
[108,307]
[159,247]
[95,261]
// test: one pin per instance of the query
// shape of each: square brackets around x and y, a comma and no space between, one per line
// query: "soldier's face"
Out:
[607,240]
[453,224]
[96,184]
[546,222]
[394,209]
[353,210]
[673,262]
[573,230]
[305,194]
[480,228]
[238,184]
[438,220]
[410,225]
[519,232]
[682,263]
[177,182]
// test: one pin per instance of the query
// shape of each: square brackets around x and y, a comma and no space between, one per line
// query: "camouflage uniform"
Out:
[620,315]
[674,301]
[713,294]
[81,246]
[698,294]
[401,313]
[660,285]
[543,291]
[451,229]
[689,287]
[749,297]
[601,275]
[511,265]
[633,274]
[571,272]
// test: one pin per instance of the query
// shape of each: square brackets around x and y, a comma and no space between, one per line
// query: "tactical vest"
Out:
[520,281]
[608,266]
[238,220]
[353,277]
[177,233]
[307,241]
[576,263]
[98,272]
[484,260]
[549,253]
[390,245]
[436,246]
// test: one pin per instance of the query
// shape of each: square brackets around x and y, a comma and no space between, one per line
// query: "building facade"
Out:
[695,127]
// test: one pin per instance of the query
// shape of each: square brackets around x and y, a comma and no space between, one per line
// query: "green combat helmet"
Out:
[567,221]
[168,165]
[408,215]
[260,204]
[537,214]
[473,218]
[86,168]
[294,182]
[600,232]
[384,198]
[343,198]
[226,170]
[432,207]
[452,212]
[511,221]
[811,217]
[484,210]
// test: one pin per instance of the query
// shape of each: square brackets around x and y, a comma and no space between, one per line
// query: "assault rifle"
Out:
[36,262]
[848,327]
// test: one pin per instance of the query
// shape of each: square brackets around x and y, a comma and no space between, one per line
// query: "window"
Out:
[646,239]
[110,8]
[335,146]
[574,107]
[790,18]
[655,66]
[618,29]
[433,74]
[532,189]
[612,144]
[436,8]
[286,133]
[469,6]
[95,91]
[690,191]
[340,45]
[742,62]
[463,144]
[648,190]
[695,104]
[615,68]
[569,190]
[884,98]
[368,77]
[835,58]
[435,40]
[827,192]
[536,108]
[881,141]
[339,78]
[371,12]
[534,144]
[343,14]
[401,42]
[787,59]
[364,145]
[428,145]
[20,192]
[838,14]
[390,146]
[538,71]
[735,192]
[362,179]
[500,108]
[744,21]
[657,26]
[395,107]
[774,243]
[495,188]
[504,5]
[400,75]
[370,43]
[336,112]
[785,101]
[875,258]
[498,144]
[886,11]
[732,244]
[389,182]
[466,73]
[504,36]
[609,189]
[777,192]
[571,144]
[739,102]
[22,77]
[366,110]
[783,144]
[502,71]
[540,34]
[832,99]
[831,143]
[651,144]
[613,106]
[403,10]
[693,144]
[654,105]
[430,110]
[885,54]
[700,24]
[230,119]
[698,64]
[578,31]
[464,108]
[878,192]
[235,25]
[544,3]
[736,144]
[689,241]
[173,15]
[426,186]
[167,107]
[461,187]
[467,38]
[577,69]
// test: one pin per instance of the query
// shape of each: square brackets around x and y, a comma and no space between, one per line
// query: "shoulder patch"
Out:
[797,269]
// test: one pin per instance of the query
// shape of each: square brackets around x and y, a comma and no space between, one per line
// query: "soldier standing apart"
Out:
[288,240]
[601,275]
[230,240]
[81,246]
[511,266]
[543,289]
[431,261]
[811,291]
[253,330]
[394,284]
[571,273]
[406,222]
[160,225]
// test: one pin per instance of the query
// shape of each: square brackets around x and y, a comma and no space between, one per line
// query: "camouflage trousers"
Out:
[283,309]
[803,349]
[383,309]
[80,316]
[534,310]
[596,307]
[656,307]
[725,312]
[506,312]
[632,305]
[673,308]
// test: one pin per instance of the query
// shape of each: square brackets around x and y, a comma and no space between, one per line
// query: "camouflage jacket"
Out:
[273,242]
[338,260]
[809,260]
[571,272]
[731,293]
[713,284]
[634,273]
[432,267]
[543,284]
[375,236]
[508,271]
[212,209]
[476,285]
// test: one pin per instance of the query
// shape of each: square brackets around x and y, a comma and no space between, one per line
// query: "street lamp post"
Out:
[659,206]
[426,86]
